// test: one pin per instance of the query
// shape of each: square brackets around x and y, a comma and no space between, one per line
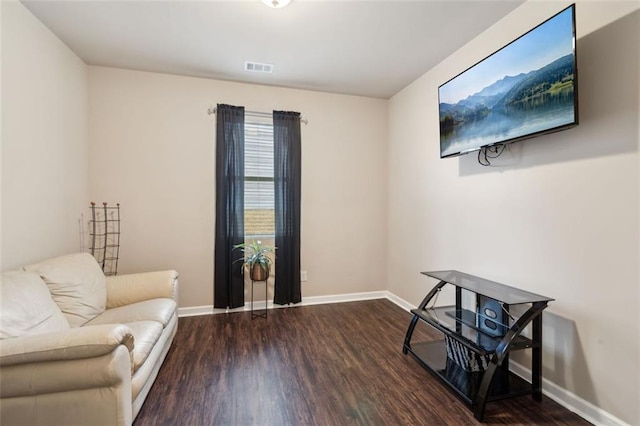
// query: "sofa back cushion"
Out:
[77,285]
[26,306]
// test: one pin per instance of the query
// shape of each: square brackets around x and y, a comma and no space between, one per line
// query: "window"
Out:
[259,214]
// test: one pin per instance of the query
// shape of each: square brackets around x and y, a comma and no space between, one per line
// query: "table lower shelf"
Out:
[433,357]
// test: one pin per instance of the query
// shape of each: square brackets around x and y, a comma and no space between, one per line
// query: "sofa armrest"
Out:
[72,344]
[127,289]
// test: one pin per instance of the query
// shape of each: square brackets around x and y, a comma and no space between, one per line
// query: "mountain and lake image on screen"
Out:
[526,88]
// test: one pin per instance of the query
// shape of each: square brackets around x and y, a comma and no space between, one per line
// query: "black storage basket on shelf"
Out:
[464,357]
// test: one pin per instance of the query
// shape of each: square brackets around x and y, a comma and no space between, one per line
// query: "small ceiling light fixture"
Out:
[276,4]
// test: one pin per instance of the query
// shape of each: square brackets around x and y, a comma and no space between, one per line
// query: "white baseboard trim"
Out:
[306,301]
[569,400]
[562,396]
[341,298]
[400,302]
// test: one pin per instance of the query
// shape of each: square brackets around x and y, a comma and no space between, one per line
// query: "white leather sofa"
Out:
[79,348]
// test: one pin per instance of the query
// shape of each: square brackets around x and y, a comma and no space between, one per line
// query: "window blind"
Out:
[259,219]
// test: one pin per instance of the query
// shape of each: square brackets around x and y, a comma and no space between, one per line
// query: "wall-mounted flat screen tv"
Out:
[527,88]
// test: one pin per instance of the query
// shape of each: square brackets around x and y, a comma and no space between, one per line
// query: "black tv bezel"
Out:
[534,134]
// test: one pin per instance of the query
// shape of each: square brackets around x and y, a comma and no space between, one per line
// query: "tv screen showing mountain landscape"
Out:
[526,88]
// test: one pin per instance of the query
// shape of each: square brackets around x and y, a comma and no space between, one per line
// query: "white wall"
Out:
[44,184]
[558,215]
[152,150]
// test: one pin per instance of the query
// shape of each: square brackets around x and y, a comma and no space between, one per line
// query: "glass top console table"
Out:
[480,329]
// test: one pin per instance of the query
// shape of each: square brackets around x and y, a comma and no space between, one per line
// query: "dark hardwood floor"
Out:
[336,364]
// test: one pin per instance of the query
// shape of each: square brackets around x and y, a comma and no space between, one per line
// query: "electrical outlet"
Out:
[303,276]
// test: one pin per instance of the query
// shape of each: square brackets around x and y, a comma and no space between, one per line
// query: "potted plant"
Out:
[256,259]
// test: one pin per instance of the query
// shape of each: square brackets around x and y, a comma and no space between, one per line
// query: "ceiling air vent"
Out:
[258,67]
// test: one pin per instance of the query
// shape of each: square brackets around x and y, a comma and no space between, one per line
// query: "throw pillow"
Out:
[26,307]
[77,285]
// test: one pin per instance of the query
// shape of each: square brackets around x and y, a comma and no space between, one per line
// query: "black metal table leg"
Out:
[536,359]
[407,337]
[263,314]
[414,321]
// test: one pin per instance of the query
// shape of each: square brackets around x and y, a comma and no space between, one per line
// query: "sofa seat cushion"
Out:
[26,306]
[159,310]
[145,336]
[77,285]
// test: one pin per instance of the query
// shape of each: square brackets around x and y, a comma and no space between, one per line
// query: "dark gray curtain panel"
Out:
[287,176]
[228,279]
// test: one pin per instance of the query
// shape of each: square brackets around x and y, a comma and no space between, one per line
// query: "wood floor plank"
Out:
[334,364]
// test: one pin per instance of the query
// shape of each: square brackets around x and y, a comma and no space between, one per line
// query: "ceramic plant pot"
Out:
[259,273]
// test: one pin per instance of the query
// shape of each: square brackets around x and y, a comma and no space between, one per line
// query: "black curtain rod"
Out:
[212,110]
